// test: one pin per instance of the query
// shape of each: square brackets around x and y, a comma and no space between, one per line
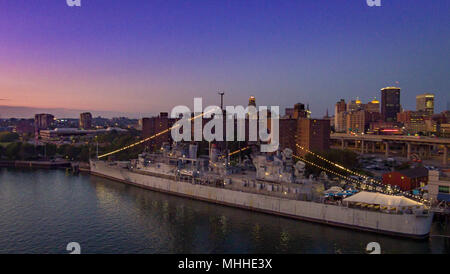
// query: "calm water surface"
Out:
[42,211]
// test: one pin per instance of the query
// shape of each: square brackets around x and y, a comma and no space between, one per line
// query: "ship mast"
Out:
[222,93]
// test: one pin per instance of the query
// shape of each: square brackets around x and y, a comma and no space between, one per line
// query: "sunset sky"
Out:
[140,56]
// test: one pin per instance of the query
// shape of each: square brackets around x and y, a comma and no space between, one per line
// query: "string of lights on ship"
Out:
[385,188]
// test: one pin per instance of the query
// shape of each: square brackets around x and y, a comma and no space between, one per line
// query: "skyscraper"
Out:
[425,103]
[390,103]
[372,106]
[86,120]
[354,105]
[43,121]
[340,107]
[341,122]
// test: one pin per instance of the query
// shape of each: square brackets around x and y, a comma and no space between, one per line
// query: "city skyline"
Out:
[21,112]
[199,129]
[141,58]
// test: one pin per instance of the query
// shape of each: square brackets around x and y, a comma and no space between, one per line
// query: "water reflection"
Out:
[44,210]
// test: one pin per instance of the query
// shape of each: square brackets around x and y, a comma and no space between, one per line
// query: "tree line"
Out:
[12,149]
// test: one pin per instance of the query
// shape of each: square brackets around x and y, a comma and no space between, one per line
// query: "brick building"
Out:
[43,121]
[85,120]
[312,134]
[154,125]
[407,179]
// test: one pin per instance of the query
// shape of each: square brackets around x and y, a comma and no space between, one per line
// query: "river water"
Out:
[41,211]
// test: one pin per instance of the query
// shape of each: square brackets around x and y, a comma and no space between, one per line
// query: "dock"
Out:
[36,164]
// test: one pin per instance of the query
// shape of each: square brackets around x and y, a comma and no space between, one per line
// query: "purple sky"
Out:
[140,56]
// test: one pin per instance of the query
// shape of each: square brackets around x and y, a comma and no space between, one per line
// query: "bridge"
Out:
[409,144]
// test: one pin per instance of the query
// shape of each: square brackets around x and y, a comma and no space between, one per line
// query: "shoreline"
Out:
[36,164]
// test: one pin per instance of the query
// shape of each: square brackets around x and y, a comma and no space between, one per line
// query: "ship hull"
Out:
[403,225]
